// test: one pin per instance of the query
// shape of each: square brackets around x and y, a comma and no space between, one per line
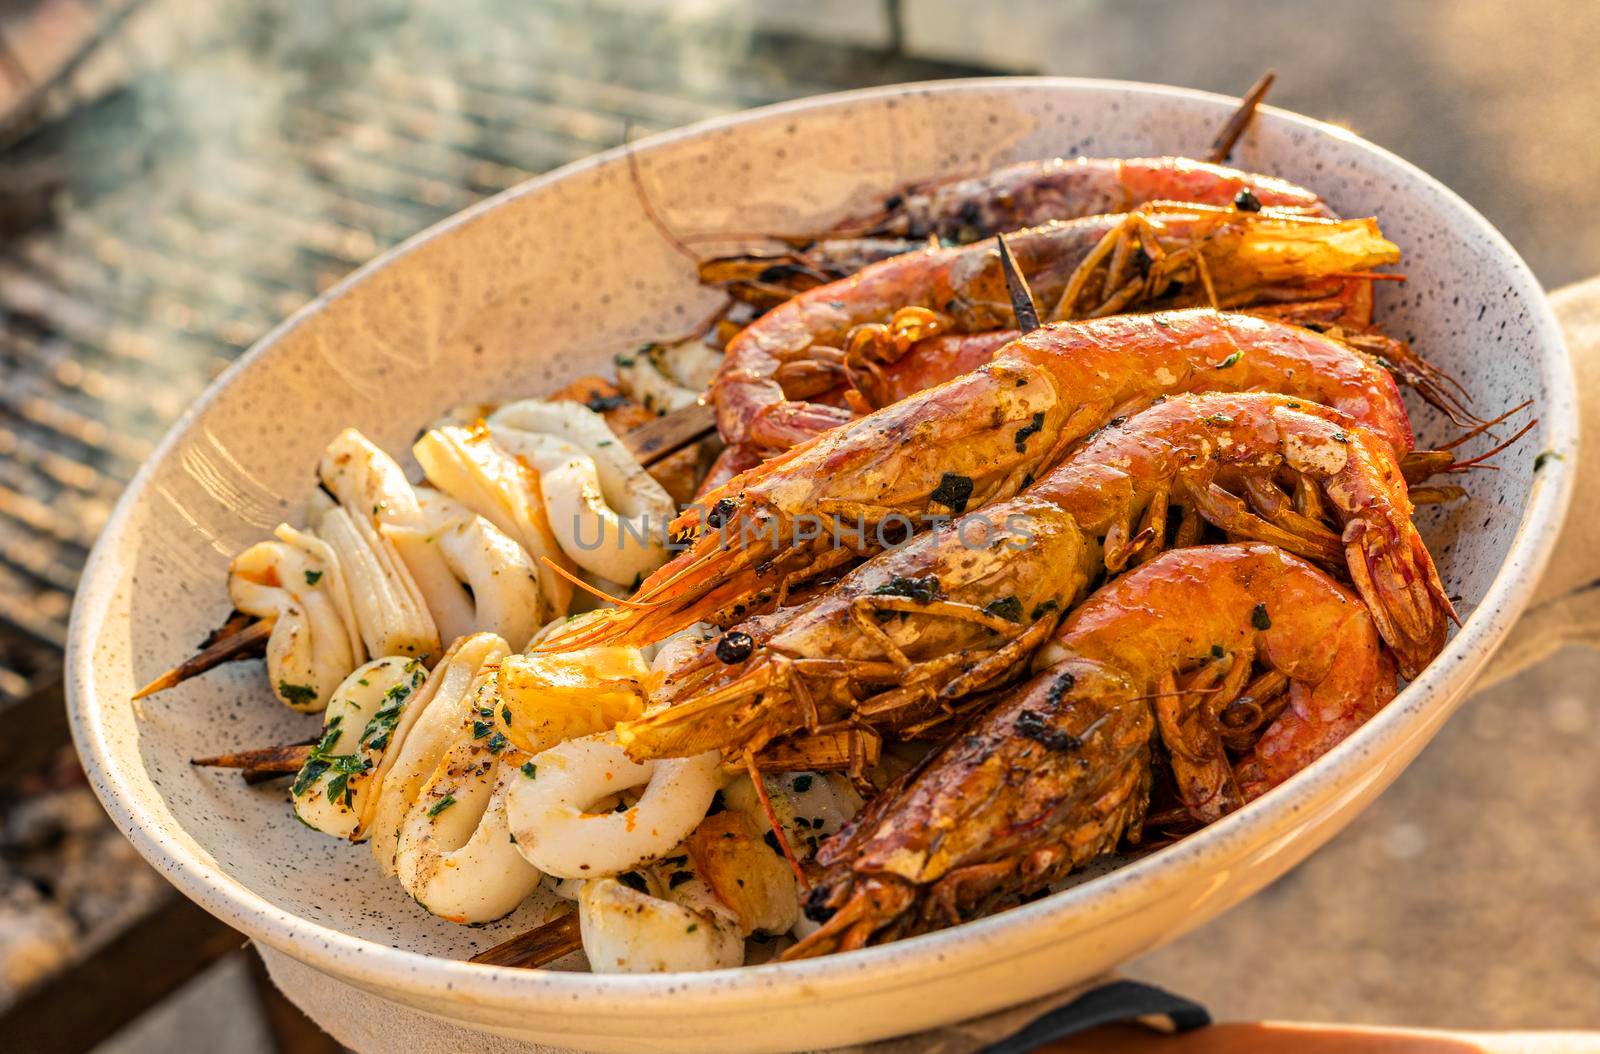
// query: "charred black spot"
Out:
[1028,430]
[817,908]
[953,491]
[735,646]
[1035,726]
[1246,201]
[970,215]
[1008,608]
[721,512]
[1259,617]
[1064,684]
[601,403]
[893,201]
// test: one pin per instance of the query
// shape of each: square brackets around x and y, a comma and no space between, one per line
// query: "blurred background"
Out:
[178,175]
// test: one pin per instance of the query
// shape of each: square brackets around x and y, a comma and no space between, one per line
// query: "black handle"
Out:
[1107,1005]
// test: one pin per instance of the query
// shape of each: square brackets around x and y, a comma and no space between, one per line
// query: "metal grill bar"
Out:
[175,259]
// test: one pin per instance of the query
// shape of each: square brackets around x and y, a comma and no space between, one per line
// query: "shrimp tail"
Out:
[1395,575]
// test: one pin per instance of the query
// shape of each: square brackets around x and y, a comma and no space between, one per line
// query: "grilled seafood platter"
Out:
[1014,524]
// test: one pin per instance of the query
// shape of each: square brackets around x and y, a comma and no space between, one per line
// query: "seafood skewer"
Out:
[376,570]
[1058,771]
[902,639]
[964,444]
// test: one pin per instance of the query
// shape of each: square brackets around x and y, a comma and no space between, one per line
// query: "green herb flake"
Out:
[1547,456]
[480,729]
[505,715]
[313,577]
[692,927]
[1217,652]
[496,743]
[441,805]
[1230,360]
[529,769]
[297,694]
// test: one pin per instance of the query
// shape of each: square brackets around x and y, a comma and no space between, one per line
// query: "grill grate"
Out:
[212,195]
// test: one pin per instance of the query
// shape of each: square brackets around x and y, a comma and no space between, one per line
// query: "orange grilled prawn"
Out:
[1058,771]
[972,441]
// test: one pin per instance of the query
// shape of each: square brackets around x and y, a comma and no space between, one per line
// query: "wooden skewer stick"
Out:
[248,642]
[662,437]
[263,764]
[1022,303]
[538,947]
[1226,139]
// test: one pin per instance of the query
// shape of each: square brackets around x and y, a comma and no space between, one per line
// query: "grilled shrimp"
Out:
[965,444]
[1058,771]
[1093,266]
[903,637]
[963,210]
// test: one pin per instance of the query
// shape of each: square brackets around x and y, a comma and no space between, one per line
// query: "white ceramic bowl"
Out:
[545,282]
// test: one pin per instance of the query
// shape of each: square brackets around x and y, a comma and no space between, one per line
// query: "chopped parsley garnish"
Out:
[1217,652]
[313,577]
[496,743]
[1545,457]
[441,805]
[529,769]
[382,723]
[505,715]
[297,694]
[480,729]
[1230,360]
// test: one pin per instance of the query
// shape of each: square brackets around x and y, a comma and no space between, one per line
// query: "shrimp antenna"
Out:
[1022,303]
[1228,137]
[595,591]
[645,203]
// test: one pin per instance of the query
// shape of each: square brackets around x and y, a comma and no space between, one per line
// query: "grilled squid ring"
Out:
[557,834]
[665,378]
[454,853]
[470,467]
[439,714]
[314,642]
[501,577]
[368,483]
[609,515]
[329,792]
[680,928]
[387,605]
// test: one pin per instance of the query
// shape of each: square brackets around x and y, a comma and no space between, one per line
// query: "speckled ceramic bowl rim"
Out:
[894,965]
